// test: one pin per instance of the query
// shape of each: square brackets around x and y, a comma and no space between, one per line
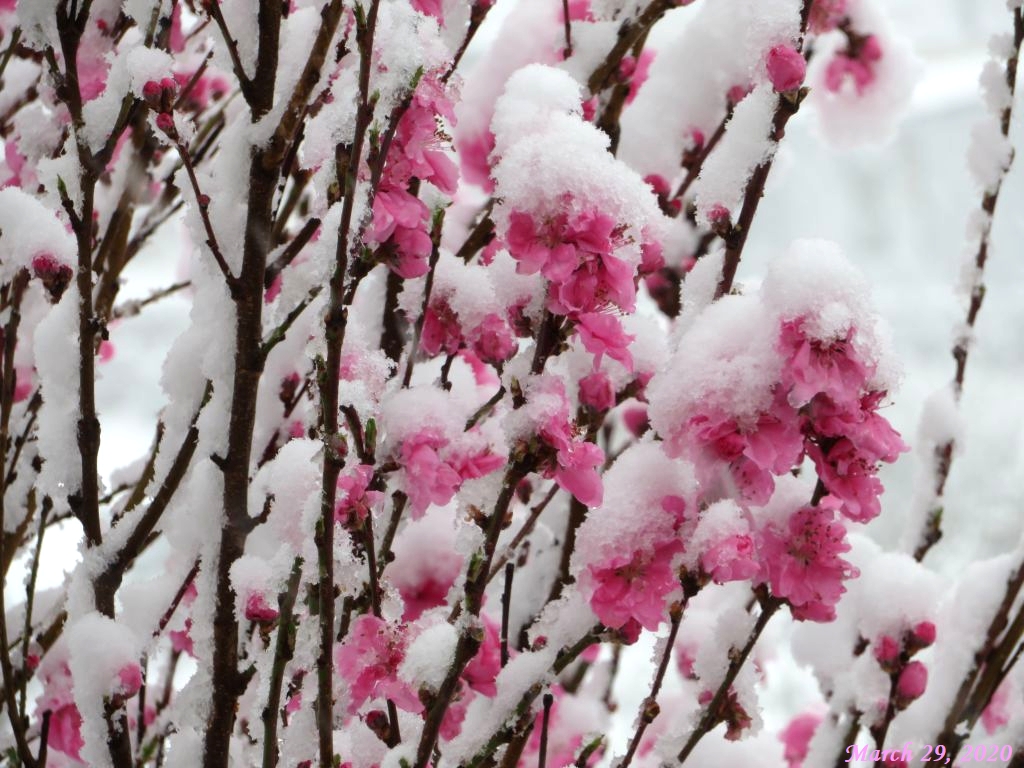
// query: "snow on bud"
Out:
[786,68]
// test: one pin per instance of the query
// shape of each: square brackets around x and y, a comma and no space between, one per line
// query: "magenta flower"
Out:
[802,562]
[356,501]
[602,334]
[429,479]
[482,671]
[816,367]
[797,738]
[596,391]
[634,586]
[577,472]
[733,558]
[368,661]
[492,340]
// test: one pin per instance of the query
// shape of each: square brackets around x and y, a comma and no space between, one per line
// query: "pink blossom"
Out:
[181,639]
[441,329]
[577,472]
[482,671]
[850,478]
[58,699]
[356,500]
[996,714]
[474,153]
[859,68]
[802,562]
[635,419]
[471,466]
[430,8]
[640,71]
[368,660]
[425,588]
[596,391]
[417,150]
[129,680]
[826,15]
[818,367]
[492,340]
[429,480]
[602,334]
[22,383]
[797,738]
[66,731]
[257,609]
[912,681]
[634,586]
[786,68]
[733,558]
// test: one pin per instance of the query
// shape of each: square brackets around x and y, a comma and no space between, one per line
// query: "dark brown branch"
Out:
[711,715]
[649,708]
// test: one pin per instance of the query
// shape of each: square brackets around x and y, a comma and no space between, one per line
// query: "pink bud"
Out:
[786,68]
[151,90]
[871,49]
[165,122]
[924,633]
[597,392]
[737,93]
[913,680]
[129,680]
[718,214]
[659,184]
[886,649]
[256,609]
[627,67]
[696,139]
[169,84]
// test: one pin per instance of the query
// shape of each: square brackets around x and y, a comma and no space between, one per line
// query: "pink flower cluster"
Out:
[368,660]
[895,656]
[491,340]
[401,221]
[576,254]
[802,562]
[857,65]
[355,500]
[576,460]
[435,470]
